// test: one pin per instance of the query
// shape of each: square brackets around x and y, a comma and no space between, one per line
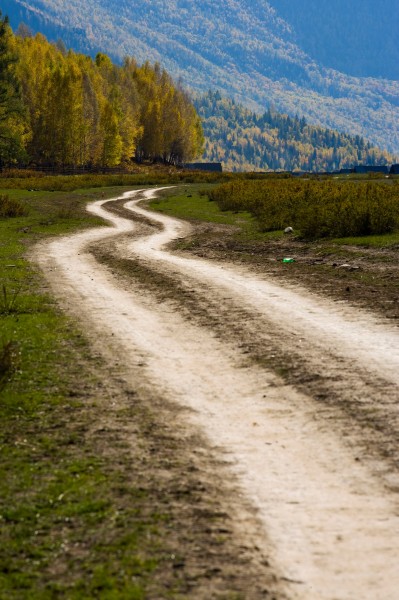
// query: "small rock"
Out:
[350,267]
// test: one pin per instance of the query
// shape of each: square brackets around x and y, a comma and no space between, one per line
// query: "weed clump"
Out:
[8,362]
[10,207]
[8,301]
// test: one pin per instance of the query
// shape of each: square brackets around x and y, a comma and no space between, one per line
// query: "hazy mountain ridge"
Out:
[243,48]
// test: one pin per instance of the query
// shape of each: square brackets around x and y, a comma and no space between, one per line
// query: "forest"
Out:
[246,50]
[63,109]
[356,37]
[245,141]
[59,108]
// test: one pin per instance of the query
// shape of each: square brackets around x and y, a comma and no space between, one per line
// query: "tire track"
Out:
[333,526]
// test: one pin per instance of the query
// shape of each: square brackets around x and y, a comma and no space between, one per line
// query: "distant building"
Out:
[214,167]
[361,169]
[394,170]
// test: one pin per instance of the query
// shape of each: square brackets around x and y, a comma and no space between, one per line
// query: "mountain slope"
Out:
[242,47]
[358,37]
[246,141]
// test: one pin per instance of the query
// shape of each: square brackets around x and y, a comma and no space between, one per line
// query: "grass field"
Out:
[192,202]
[85,508]
[73,522]
[70,522]
[362,270]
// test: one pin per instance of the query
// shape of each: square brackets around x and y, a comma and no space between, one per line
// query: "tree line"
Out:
[60,108]
[245,140]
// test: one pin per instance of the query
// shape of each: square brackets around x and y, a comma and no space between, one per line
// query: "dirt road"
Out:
[298,393]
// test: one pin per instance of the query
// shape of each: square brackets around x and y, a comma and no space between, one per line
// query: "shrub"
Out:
[315,208]
[10,207]
[21,173]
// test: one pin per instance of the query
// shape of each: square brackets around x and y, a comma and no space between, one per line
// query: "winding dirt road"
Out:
[298,392]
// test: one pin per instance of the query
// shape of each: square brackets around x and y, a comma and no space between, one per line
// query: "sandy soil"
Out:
[296,392]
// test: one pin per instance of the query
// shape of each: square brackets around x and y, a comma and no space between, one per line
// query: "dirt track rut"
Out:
[313,449]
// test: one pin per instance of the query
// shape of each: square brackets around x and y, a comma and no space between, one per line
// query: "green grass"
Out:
[68,521]
[371,241]
[82,514]
[192,203]
[316,209]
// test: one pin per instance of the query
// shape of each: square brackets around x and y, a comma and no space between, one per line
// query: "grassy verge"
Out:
[362,270]
[386,240]
[70,522]
[192,203]
[101,495]
[146,176]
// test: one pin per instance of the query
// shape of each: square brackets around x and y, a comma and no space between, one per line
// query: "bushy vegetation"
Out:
[246,141]
[65,183]
[316,209]
[11,207]
[14,173]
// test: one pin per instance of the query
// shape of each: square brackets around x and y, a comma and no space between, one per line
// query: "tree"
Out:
[64,114]
[85,112]
[11,109]
[112,147]
[24,31]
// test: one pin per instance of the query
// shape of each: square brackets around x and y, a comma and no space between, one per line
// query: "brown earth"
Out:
[359,276]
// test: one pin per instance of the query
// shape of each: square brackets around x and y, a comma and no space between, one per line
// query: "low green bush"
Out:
[317,209]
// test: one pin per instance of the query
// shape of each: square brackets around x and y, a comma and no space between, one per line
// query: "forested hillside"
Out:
[65,109]
[358,37]
[247,141]
[245,49]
